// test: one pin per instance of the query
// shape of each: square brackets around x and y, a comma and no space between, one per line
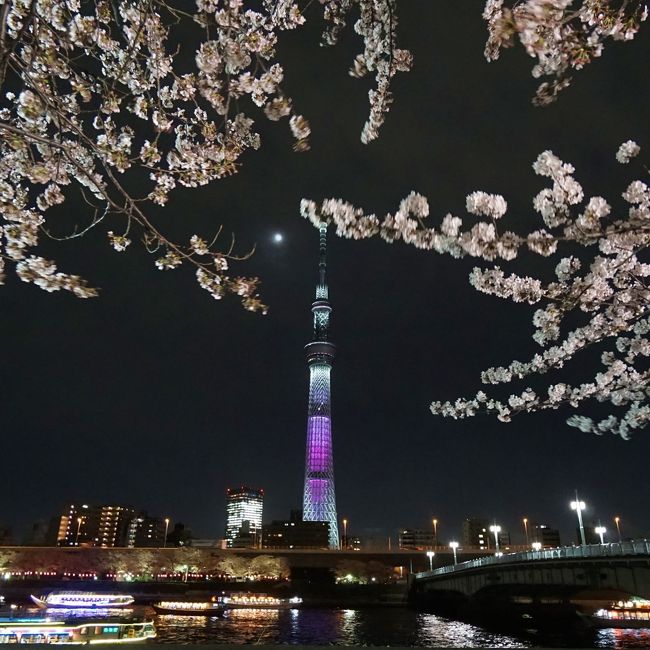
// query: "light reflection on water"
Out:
[613,638]
[329,627]
[369,627]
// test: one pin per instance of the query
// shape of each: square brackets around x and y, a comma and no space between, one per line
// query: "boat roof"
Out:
[84,593]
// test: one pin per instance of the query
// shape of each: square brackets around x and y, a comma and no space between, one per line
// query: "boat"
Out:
[46,630]
[632,613]
[212,607]
[82,600]
[259,601]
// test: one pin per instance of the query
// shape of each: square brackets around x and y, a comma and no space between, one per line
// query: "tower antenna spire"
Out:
[322,264]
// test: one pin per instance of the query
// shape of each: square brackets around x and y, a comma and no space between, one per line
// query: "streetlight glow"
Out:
[166,529]
[525,520]
[430,555]
[454,546]
[496,530]
[435,532]
[579,506]
[600,531]
[617,521]
[345,533]
[537,546]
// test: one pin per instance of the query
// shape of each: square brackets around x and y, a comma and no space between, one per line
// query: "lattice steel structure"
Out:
[319,500]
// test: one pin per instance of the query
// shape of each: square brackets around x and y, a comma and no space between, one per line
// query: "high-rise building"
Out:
[296,533]
[79,525]
[476,532]
[114,524]
[146,532]
[106,526]
[244,514]
[319,499]
[547,536]
[415,539]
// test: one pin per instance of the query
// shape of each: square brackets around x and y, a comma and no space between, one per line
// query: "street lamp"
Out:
[579,506]
[537,546]
[435,532]
[526,529]
[345,533]
[76,539]
[454,546]
[496,530]
[617,521]
[600,531]
[166,529]
[430,555]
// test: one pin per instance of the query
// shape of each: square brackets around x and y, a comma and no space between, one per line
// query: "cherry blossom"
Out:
[562,35]
[598,301]
[97,92]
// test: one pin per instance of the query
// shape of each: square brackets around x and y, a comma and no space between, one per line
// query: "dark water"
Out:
[367,627]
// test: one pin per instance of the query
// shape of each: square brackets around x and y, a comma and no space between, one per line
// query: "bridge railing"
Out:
[615,549]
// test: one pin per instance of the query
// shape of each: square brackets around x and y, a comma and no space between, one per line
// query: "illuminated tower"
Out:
[319,501]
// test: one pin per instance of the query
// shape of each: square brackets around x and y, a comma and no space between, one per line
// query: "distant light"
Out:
[278,238]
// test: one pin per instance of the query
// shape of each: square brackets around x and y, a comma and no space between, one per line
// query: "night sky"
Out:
[158,396]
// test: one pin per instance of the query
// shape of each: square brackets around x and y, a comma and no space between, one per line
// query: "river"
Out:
[370,627]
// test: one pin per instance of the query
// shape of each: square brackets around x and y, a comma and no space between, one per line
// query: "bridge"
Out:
[523,583]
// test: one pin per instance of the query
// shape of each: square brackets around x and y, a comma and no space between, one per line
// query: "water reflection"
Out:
[614,638]
[327,627]
[367,627]
[436,631]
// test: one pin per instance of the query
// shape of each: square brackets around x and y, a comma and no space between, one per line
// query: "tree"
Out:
[561,36]
[268,566]
[105,99]
[235,566]
[600,297]
[350,571]
[7,559]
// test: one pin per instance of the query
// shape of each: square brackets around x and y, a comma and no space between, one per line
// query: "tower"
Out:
[319,500]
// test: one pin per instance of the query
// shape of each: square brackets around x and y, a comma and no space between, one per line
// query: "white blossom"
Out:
[627,151]
[598,298]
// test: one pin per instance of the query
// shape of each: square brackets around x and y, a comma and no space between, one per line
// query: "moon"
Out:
[278,238]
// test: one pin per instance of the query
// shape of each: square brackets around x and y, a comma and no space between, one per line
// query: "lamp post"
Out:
[76,539]
[600,531]
[435,532]
[166,529]
[496,530]
[430,555]
[537,546]
[617,521]
[454,546]
[345,533]
[525,520]
[579,506]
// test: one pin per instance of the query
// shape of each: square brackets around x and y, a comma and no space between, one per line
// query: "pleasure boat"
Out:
[46,630]
[632,613]
[212,607]
[82,600]
[260,601]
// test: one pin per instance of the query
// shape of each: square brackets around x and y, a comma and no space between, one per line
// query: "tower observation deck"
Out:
[319,499]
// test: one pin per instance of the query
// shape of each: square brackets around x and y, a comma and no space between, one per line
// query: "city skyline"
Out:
[155,394]
[244,503]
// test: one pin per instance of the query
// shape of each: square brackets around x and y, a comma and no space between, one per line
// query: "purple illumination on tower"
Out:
[319,434]
[319,499]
